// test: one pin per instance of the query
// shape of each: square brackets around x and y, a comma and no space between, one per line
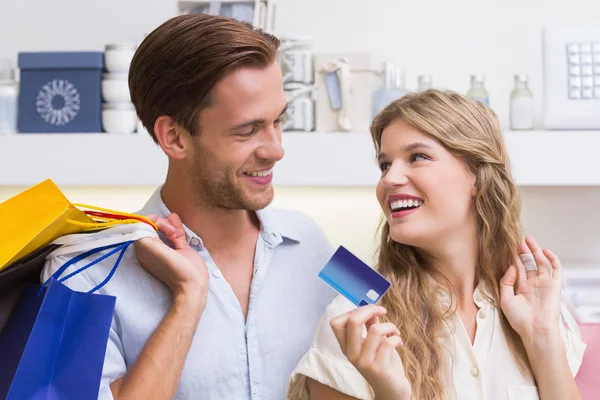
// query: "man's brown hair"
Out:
[175,68]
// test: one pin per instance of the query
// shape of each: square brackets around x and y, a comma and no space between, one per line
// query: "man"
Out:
[228,312]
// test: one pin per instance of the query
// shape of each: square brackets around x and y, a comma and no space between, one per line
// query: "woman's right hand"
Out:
[181,268]
[376,356]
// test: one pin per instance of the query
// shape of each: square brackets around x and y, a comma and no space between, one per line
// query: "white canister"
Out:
[119,118]
[242,11]
[115,87]
[259,13]
[297,66]
[118,56]
[296,60]
[9,97]
[301,108]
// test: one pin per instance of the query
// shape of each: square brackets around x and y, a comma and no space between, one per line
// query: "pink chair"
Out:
[588,376]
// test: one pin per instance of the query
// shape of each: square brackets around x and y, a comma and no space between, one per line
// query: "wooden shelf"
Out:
[539,158]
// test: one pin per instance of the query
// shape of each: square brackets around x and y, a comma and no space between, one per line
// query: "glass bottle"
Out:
[478,91]
[393,88]
[424,82]
[521,105]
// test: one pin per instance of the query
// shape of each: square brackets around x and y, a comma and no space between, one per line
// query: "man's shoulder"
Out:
[290,215]
[296,224]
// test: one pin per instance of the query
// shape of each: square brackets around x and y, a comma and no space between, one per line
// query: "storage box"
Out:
[346,83]
[60,92]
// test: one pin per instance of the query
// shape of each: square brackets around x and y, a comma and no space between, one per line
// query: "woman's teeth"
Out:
[404,204]
[261,174]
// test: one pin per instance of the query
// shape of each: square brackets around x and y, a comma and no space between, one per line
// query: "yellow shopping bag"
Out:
[42,214]
[36,217]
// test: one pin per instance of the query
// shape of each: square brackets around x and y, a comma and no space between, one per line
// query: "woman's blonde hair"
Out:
[471,132]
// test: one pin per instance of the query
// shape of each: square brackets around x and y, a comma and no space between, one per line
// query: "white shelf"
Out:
[539,158]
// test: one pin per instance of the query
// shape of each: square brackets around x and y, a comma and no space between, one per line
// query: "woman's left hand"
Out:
[534,310]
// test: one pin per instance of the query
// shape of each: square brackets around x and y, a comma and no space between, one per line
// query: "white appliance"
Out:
[259,13]
[572,77]
[582,286]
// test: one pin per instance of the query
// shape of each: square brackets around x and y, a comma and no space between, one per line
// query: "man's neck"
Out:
[220,229]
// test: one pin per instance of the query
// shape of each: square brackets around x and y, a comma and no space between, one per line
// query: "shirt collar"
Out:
[274,222]
[480,295]
[274,226]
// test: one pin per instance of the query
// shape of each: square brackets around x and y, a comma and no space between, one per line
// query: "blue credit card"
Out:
[354,279]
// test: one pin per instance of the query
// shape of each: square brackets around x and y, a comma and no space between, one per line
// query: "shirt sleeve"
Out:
[326,363]
[114,362]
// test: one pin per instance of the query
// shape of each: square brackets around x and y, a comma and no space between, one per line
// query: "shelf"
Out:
[539,158]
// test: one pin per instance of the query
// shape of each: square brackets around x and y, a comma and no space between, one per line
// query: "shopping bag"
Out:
[34,218]
[16,276]
[41,214]
[63,218]
[54,343]
[588,375]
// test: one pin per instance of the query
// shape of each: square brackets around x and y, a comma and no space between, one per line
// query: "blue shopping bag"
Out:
[54,343]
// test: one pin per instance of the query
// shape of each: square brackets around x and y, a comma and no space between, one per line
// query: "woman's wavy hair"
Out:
[470,131]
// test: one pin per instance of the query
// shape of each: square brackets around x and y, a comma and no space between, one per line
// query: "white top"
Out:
[230,358]
[485,369]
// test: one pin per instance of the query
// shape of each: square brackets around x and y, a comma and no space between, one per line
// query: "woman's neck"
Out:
[454,261]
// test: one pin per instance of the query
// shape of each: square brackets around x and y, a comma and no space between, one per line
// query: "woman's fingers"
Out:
[376,335]
[348,328]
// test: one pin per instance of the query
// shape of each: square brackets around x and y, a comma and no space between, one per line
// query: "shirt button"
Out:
[482,314]
[194,242]
[474,371]
[217,273]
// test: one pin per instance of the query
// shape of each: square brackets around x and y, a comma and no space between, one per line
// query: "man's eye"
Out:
[247,134]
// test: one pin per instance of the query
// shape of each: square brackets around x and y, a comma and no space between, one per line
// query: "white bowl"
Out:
[118,56]
[115,88]
[119,118]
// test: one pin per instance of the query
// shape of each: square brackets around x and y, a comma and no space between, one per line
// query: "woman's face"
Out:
[425,192]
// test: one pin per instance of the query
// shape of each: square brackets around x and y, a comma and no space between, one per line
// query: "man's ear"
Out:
[172,137]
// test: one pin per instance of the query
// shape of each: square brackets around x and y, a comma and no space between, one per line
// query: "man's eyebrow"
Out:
[255,121]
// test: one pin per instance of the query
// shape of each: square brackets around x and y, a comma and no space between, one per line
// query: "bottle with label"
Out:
[521,105]
[424,82]
[478,91]
[9,94]
[392,90]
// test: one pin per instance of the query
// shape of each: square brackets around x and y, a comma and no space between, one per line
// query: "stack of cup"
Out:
[118,112]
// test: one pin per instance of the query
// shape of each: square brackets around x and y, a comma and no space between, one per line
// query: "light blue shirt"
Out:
[230,358]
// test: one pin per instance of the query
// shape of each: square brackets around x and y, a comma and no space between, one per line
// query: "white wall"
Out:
[448,39]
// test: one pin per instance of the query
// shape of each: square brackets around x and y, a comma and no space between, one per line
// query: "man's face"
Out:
[240,140]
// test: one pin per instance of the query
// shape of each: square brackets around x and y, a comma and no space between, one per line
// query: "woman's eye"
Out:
[418,157]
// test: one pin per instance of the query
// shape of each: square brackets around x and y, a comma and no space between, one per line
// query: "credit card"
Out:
[354,279]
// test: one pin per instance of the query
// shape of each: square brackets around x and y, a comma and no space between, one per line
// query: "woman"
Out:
[463,318]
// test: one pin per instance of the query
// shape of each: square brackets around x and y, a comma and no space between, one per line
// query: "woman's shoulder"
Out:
[326,363]
[324,339]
